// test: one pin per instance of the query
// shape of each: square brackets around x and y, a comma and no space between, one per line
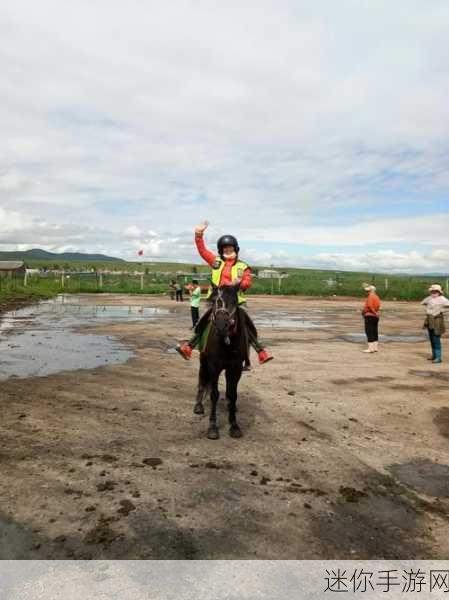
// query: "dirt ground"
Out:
[344,454]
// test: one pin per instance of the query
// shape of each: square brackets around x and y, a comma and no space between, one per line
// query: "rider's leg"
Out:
[185,348]
[263,354]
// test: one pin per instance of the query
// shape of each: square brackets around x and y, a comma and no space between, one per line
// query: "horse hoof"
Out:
[235,431]
[198,409]
[213,433]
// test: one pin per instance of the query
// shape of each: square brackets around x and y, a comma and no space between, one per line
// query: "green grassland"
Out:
[14,292]
[124,277]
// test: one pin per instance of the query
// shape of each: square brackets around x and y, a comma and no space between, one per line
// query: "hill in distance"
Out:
[38,254]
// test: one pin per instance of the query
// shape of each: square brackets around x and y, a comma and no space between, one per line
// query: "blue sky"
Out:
[318,133]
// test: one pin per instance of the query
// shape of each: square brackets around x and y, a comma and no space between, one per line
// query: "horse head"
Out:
[224,310]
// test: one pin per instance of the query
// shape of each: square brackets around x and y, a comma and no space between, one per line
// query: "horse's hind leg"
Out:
[232,380]
[212,432]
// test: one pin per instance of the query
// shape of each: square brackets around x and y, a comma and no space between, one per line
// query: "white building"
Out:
[271,274]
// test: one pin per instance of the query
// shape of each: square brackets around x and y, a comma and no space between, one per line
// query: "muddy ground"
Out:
[344,454]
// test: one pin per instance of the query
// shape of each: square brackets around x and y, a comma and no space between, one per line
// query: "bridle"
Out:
[219,309]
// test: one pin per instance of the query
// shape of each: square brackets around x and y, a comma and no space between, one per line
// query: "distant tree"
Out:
[194,269]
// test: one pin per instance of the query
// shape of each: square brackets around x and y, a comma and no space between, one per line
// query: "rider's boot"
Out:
[185,350]
[264,356]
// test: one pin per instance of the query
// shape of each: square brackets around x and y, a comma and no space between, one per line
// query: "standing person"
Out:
[178,288]
[227,269]
[435,304]
[172,289]
[195,299]
[371,313]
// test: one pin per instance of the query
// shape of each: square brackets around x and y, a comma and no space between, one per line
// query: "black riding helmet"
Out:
[227,240]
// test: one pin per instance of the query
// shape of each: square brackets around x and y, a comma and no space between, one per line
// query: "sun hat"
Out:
[436,287]
[368,287]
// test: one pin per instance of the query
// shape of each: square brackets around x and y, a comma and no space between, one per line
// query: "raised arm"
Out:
[205,254]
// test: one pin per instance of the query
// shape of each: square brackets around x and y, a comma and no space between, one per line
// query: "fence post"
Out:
[25,279]
[141,281]
[101,281]
[62,280]
[386,283]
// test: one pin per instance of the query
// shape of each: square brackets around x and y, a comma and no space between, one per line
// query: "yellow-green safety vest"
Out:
[236,272]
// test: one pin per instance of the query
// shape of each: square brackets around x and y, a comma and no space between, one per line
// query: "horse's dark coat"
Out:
[226,349]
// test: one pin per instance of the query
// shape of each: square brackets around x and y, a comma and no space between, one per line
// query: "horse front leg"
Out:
[232,381]
[212,432]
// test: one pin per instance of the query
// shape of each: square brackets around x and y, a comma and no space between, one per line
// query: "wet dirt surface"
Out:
[424,476]
[342,456]
[441,420]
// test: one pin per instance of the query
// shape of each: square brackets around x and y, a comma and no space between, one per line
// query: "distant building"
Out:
[271,274]
[12,268]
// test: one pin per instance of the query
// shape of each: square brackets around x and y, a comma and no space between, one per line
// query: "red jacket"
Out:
[226,276]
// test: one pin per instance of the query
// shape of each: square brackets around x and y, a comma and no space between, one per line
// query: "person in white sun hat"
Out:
[371,313]
[435,304]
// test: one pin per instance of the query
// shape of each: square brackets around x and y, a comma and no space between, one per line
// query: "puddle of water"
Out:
[435,374]
[32,355]
[423,476]
[361,337]
[74,314]
[284,320]
[40,340]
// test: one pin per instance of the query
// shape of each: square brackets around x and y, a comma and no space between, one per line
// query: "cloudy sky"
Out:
[317,132]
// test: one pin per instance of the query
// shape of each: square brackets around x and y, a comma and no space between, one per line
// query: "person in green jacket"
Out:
[195,299]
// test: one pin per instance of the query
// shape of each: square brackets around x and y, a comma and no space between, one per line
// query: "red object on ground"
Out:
[226,276]
[264,357]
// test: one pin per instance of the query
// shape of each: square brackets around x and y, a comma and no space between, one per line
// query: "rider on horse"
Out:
[227,269]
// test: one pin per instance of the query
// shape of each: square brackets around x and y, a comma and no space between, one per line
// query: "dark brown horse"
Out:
[226,350]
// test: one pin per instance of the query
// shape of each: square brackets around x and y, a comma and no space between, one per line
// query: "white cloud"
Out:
[429,230]
[283,121]
[436,261]
[132,232]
